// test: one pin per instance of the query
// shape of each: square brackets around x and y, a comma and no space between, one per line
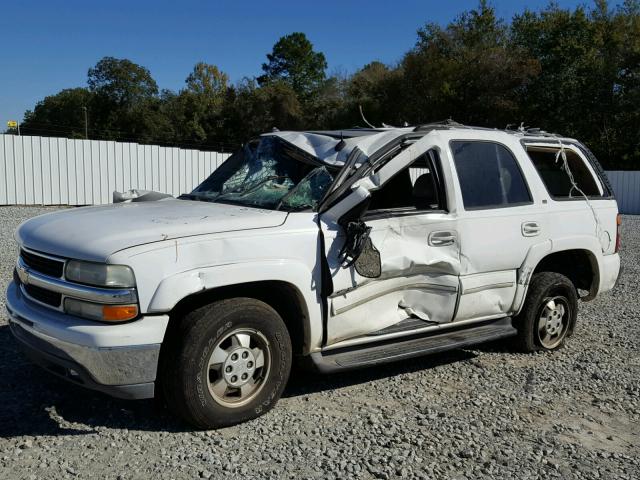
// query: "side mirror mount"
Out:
[358,250]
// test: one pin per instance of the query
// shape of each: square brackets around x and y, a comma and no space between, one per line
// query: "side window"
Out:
[556,179]
[489,175]
[416,188]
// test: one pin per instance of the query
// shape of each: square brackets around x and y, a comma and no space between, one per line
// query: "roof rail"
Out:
[531,131]
[441,124]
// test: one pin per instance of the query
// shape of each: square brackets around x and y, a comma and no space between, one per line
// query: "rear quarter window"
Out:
[555,177]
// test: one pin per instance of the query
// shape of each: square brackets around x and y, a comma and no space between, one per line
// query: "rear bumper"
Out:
[113,359]
[609,272]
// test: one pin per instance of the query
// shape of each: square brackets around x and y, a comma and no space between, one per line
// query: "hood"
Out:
[94,233]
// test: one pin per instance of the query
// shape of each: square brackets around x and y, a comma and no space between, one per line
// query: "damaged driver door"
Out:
[392,250]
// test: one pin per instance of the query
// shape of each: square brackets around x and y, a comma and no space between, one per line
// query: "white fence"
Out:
[626,185]
[61,171]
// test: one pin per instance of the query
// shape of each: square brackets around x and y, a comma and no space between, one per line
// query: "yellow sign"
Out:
[12,124]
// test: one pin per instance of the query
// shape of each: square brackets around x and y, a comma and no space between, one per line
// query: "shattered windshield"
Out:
[267,173]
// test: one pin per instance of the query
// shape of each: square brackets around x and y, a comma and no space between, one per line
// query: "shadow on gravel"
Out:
[34,402]
[498,346]
[304,383]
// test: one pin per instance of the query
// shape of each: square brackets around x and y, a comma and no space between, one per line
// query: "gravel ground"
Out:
[476,413]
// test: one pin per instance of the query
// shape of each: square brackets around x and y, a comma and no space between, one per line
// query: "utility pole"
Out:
[86,124]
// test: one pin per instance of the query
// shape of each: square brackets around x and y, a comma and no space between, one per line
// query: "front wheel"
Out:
[549,313]
[228,362]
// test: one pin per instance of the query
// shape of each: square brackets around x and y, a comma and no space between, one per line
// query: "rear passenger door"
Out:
[499,220]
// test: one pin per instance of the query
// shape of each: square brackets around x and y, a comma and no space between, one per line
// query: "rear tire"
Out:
[228,362]
[549,313]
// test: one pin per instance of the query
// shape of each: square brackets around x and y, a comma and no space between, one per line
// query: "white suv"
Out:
[345,248]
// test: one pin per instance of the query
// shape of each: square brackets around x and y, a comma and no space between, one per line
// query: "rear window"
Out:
[489,175]
[556,179]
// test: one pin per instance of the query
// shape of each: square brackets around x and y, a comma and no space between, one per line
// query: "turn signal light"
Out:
[119,313]
[100,312]
[618,232]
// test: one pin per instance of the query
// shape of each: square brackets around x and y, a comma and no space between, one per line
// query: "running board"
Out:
[367,355]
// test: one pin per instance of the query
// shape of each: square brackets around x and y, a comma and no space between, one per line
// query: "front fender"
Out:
[176,287]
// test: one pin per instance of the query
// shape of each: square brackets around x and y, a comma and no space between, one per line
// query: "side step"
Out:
[399,349]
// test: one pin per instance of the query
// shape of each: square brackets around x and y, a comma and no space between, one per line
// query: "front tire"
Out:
[549,313]
[228,362]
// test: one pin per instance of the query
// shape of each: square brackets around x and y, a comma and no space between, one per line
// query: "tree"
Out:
[121,81]
[61,114]
[572,71]
[326,108]
[377,89]
[468,71]
[590,75]
[251,110]
[195,111]
[126,104]
[294,62]
[208,81]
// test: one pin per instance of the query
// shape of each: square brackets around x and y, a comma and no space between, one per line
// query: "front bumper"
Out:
[121,360]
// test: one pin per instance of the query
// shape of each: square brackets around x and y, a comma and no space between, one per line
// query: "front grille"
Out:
[45,265]
[45,296]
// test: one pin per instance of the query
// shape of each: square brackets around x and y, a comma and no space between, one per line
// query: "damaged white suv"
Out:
[345,248]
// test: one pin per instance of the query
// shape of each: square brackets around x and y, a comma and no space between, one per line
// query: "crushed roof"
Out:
[322,143]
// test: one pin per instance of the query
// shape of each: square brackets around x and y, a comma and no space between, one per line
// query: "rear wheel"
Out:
[549,313]
[229,362]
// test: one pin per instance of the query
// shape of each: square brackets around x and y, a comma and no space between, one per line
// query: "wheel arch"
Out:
[285,298]
[290,287]
[578,265]
[578,258]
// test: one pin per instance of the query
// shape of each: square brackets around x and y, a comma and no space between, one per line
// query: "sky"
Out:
[49,45]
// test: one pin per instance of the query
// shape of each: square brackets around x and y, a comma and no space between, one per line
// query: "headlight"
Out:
[99,274]
[95,311]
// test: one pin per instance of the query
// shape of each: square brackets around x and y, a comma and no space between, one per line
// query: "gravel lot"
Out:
[479,413]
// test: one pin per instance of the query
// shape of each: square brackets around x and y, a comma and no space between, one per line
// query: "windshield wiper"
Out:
[296,208]
[194,196]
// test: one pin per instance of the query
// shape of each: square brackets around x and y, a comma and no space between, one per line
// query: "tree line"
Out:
[571,71]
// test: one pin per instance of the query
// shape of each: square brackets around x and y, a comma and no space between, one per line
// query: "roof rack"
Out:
[530,131]
[440,125]
[525,131]
[348,132]
[448,123]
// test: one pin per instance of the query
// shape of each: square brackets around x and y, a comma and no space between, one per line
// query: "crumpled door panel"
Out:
[382,303]
[416,281]
[486,294]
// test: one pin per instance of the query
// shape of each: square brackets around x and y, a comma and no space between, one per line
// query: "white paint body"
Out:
[177,248]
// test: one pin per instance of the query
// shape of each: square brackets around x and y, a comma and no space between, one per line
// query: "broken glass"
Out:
[267,173]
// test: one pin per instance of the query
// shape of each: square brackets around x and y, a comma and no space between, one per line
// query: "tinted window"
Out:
[556,179]
[489,175]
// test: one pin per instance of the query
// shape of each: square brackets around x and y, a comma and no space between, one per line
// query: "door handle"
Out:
[531,229]
[441,239]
